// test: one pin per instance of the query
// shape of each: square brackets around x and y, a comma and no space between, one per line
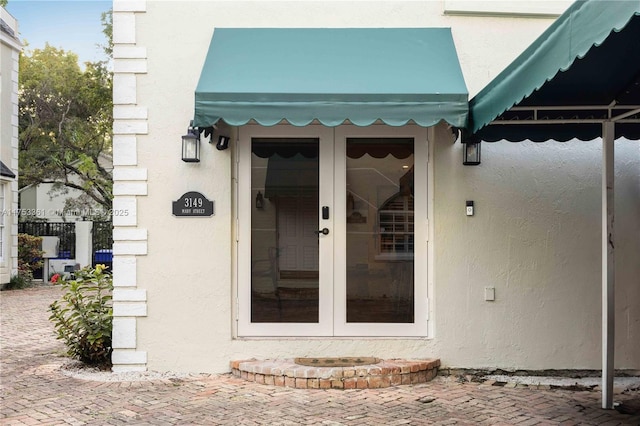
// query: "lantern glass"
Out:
[190,148]
[471,154]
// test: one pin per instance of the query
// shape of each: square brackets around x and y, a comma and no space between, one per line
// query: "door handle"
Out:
[323,231]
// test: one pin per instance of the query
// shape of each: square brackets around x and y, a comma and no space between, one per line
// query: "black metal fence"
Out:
[63,230]
[102,239]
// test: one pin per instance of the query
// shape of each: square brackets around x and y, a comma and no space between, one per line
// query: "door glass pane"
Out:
[284,244]
[380,230]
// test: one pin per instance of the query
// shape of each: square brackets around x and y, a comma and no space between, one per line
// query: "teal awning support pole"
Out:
[608,264]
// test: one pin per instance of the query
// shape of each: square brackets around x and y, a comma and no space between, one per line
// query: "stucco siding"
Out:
[535,236]
[9,56]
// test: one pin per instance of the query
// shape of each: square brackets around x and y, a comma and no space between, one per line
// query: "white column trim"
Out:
[130,183]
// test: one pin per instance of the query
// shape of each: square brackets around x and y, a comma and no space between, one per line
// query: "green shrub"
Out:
[29,255]
[21,280]
[83,317]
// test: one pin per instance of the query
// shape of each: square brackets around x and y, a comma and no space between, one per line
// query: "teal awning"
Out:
[332,75]
[585,69]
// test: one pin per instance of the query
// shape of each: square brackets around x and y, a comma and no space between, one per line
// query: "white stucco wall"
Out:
[535,236]
[9,53]
[43,202]
[47,201]
[37,202]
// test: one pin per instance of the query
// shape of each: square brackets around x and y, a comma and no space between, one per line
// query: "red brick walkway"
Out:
[34,392]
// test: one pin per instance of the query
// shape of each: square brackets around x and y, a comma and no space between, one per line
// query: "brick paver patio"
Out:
[35,392]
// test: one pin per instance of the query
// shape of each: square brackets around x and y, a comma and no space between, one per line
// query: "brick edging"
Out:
[386,373]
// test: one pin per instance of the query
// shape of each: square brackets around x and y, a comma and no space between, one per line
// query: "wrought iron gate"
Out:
[102,240]
[64,230]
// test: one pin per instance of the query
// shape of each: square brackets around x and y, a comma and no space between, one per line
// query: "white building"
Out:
[10,48]
[316,95]
[57,203]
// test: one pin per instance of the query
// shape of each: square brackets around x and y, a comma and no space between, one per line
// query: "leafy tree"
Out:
[3,3]
[65,122]
[107,30]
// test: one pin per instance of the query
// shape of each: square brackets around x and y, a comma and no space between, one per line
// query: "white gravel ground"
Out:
[621,382]
[80,371]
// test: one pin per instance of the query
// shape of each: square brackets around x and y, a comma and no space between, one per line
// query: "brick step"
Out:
[287,373]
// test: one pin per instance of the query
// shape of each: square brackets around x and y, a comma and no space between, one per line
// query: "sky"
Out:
[70,25]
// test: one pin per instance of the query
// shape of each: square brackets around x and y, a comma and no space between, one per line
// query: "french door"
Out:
[332,231]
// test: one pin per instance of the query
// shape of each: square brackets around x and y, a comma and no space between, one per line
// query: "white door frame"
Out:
[421,303]
[332,247]
[245,205]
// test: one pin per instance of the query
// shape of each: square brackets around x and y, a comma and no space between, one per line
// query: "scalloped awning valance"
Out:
[331,76]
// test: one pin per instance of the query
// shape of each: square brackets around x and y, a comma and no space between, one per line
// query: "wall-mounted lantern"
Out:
[259,201]
[191,145]
[471,153]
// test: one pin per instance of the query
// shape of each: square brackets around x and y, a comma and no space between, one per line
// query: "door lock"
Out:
[323,231]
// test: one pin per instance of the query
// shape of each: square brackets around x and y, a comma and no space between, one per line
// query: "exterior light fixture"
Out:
[223,142]
[471,153]
[222,132]
[191,145]
[259,201]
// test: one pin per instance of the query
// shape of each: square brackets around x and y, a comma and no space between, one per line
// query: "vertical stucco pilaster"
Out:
[129,184]
[10,48]
[15,65]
